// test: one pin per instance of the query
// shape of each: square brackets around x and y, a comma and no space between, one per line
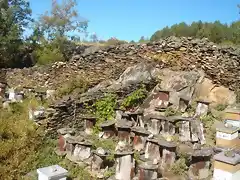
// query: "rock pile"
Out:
[221,64]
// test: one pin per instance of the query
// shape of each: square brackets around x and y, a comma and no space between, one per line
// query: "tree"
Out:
[62,19]
[94,37]
[143,40]
[216,32]
[53,30]
[15,17]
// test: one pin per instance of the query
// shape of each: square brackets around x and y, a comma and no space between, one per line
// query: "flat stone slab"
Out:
[203,152]
[64,131]
[141,130]
[107,124]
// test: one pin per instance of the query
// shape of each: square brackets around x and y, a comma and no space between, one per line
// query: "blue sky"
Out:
[131,19]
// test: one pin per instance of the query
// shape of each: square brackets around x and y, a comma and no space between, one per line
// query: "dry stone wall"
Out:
[221,64]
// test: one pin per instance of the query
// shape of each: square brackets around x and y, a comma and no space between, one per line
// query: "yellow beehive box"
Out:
[232,114]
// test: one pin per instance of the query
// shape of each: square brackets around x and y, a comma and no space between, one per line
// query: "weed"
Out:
[179,167]
[110,172]
[76,171]
[221,107]
[135,98]
[171,112]
[77,84]
[137,157]
[104,110]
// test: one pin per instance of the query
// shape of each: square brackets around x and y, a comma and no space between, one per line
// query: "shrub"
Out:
[23,147]
[48,54]
[104,109]
[179,167]
[221,107]
[78,84]
[135,98]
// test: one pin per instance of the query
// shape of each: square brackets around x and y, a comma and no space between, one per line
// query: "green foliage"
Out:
[76,171]
[47,54]
[110,172]
[216,32]
[179,167]
[19,139]
[143,40]
[135,98]
[170,111]
[137,157]
[208,122]
[107,144]
[221,107]
[15,16]
[114,41]
[62,19]
[77,84]
[105,107]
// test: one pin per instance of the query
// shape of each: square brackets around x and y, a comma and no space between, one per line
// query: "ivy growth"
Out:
[135,98]
[104,110]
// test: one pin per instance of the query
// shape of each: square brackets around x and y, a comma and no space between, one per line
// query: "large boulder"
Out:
[140,73]
[215,94]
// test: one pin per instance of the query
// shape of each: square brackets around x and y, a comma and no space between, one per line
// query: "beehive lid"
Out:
[54,171]
[179,118]
[107,123]
[141,130]
[233,110]
[205,152]
[226,159]
[64,131]
[203,101]
[226,129]
[148,166]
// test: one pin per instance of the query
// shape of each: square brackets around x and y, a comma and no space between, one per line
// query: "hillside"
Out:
[173,92]
[221,64]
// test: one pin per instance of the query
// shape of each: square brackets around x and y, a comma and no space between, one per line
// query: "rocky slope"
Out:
[221,64]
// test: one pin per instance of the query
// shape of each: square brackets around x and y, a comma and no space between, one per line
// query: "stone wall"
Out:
[221,64]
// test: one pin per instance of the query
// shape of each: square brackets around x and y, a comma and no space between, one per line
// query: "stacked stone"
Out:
[60,115]
[221,64]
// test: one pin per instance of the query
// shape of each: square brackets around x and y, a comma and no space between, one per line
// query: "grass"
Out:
[179,167]
[24,147]
[74,85]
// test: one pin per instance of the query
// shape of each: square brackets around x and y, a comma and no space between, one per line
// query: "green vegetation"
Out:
[179,167]
[76,171]
[216,32]
[104,109]
[170,111]
[135,98]
[76,85]
[137,157]
[106,144]
[47,54]
[15,16]
[22,145]
[210,131]
[221,107]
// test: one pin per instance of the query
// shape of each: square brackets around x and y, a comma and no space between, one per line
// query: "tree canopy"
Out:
[216,31]
[15,17]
